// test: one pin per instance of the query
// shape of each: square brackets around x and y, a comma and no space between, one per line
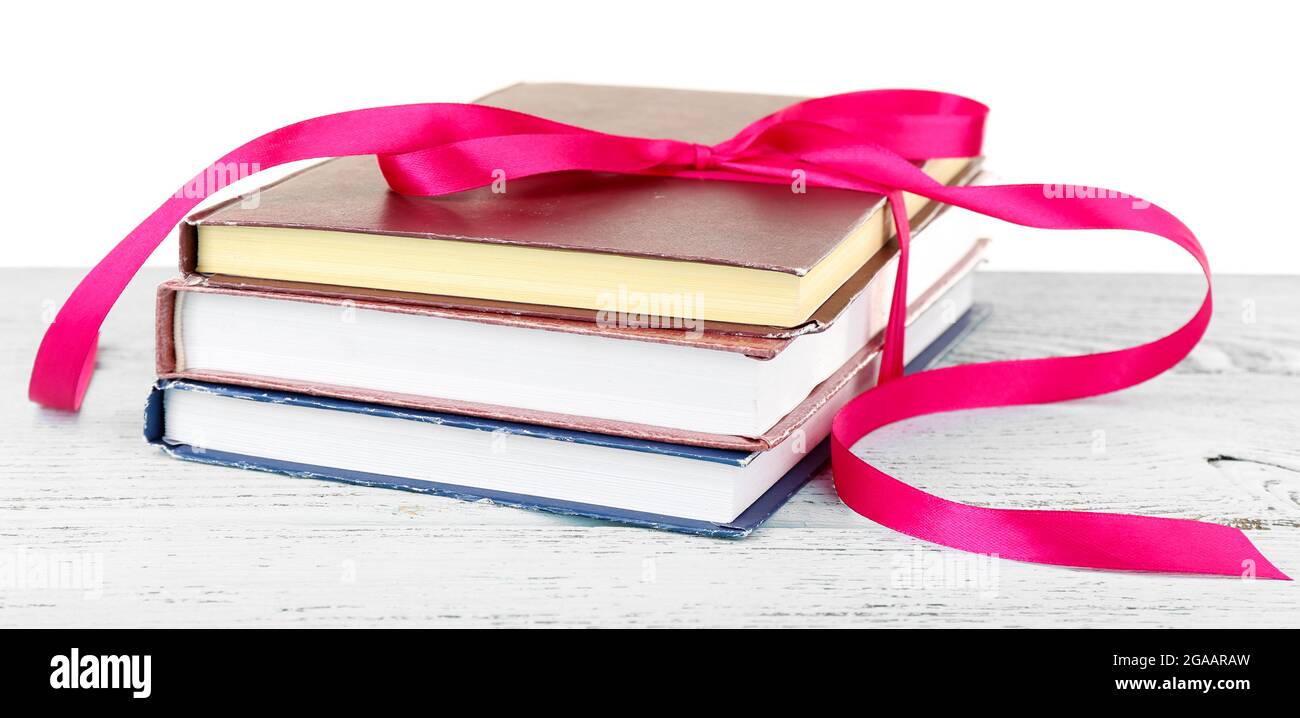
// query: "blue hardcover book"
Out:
[696,490]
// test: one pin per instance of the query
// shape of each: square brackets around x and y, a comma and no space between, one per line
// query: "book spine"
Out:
[164,329]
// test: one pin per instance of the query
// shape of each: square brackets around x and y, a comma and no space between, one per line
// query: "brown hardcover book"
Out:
[764,260]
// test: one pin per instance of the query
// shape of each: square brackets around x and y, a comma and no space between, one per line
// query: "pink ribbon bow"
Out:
[859,141]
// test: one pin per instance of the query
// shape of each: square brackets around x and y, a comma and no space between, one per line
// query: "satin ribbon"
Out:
[861,141]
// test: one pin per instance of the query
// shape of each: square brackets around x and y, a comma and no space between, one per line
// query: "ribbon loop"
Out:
[861,141]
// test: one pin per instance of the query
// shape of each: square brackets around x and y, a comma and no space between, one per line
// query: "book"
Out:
[742,253]
[721,390]
[697,490]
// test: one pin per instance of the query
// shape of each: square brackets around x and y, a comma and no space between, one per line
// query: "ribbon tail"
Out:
[892,352]
[1066,538]
[1070,538]
[65,360]
[428,149]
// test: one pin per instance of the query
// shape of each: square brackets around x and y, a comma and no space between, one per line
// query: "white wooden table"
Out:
[180,544]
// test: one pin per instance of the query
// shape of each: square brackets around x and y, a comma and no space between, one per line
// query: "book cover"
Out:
[714,332]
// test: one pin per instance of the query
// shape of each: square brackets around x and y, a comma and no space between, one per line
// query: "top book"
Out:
[742,253]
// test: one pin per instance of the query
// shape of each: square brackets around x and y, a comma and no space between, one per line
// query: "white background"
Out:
[108,107]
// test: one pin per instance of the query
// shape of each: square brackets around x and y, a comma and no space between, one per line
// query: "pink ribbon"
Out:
[860,141]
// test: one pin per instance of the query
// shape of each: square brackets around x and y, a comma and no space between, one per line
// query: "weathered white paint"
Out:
[182,544]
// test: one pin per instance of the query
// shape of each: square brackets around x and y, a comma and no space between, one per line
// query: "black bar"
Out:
[328,668]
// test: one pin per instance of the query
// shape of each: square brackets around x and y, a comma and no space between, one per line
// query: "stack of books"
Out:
[659,351]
